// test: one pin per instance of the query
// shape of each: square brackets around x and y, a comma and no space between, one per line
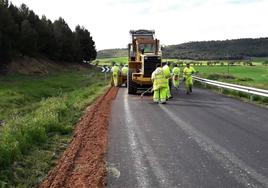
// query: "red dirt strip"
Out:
[82,164]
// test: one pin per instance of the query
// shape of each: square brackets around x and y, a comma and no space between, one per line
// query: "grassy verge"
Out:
[256,76]
[37,118]
[108,61]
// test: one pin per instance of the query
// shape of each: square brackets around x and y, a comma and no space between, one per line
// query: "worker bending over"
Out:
[167,73]
[115,71]
[175,76]
[159,85]
[188,71]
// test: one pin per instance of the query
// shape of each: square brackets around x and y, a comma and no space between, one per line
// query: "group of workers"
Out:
[163,79]
[119,72]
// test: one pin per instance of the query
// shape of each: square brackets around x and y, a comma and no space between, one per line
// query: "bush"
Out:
[245,79]
[265,63]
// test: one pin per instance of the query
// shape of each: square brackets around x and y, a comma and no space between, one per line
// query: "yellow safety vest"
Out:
[166,70]
[115,70]
[176,71]
[159,79]
[124,71]
[187,72]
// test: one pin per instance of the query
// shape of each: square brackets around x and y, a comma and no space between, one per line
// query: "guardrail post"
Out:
[105,76]
[251,97]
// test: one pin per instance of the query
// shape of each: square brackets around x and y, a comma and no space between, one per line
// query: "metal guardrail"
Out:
[245,89]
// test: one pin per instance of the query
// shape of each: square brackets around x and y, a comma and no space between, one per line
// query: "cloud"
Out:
[243,1]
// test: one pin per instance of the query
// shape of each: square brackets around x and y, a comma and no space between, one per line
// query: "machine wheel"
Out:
[131,86]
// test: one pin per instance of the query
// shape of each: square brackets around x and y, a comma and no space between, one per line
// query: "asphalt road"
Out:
[199,140]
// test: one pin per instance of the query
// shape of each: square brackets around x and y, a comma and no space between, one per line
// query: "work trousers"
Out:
[160,95]
[168,93]
[189,83]
[176,81]
[115,79]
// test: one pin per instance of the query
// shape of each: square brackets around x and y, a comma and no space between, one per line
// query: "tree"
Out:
[46,40]
[84,44]
[64,39]
[4,3]
[23,32]
[8,31]
[24,11]
[28,39]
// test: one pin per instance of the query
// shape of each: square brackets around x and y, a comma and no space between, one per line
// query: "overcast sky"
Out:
[175,21]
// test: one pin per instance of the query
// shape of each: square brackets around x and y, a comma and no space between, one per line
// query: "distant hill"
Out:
[209,50]
[109,53]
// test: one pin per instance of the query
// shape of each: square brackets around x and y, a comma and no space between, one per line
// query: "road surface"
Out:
[201,140]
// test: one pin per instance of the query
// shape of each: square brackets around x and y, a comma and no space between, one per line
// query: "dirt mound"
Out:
[29,66]
[82,164]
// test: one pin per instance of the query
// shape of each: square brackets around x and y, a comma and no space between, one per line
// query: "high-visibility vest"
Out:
[115,70]
[166,70]
[124,71]
[159,79]
[187,72]
[176,71]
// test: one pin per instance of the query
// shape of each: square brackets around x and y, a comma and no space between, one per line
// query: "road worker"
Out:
[188,71]
[176,76]
[124,72]
[159,85]
[115,72]
[167,73]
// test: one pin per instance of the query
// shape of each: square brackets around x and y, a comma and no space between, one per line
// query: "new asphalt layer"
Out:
[199,140]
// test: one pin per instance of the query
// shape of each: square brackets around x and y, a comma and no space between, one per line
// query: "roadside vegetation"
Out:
[256,76]
[111,53]
[37,116]
[108,61]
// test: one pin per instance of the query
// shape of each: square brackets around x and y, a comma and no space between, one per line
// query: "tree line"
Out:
[22,33]
[218,50]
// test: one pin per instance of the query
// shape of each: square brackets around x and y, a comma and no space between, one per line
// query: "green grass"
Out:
[255,76]
[108,61]
[260,59]
[38,115]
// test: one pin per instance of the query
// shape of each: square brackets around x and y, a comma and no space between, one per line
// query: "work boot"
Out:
[191,89]
[156,101]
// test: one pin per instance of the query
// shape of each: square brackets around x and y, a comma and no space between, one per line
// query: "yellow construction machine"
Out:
[143,54]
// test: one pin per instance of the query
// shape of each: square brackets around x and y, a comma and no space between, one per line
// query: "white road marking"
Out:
[141,151]
[140,169]
[240,171]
